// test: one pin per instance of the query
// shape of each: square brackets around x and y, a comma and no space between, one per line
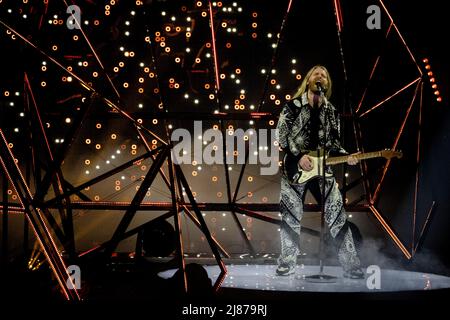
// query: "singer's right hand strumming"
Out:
[306,163]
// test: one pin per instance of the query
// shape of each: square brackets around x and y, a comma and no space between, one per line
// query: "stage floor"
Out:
[263,277]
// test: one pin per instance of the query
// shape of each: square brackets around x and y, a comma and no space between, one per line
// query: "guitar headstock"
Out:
[388,154]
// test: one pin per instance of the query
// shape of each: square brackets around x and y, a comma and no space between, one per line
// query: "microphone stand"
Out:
[321,277]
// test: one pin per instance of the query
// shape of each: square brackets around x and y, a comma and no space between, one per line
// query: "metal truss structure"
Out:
[33,189]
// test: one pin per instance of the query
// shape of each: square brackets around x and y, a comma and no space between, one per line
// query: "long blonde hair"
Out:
[304,85]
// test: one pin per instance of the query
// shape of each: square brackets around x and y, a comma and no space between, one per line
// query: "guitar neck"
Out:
[361,156]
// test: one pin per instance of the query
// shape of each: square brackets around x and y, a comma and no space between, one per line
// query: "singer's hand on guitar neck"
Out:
[306,163]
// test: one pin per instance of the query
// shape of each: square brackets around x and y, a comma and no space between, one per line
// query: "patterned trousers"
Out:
[291,208]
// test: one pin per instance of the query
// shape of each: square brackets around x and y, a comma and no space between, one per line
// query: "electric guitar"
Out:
[296,175]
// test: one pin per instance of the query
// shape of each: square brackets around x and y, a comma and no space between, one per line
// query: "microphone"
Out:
[319,86]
